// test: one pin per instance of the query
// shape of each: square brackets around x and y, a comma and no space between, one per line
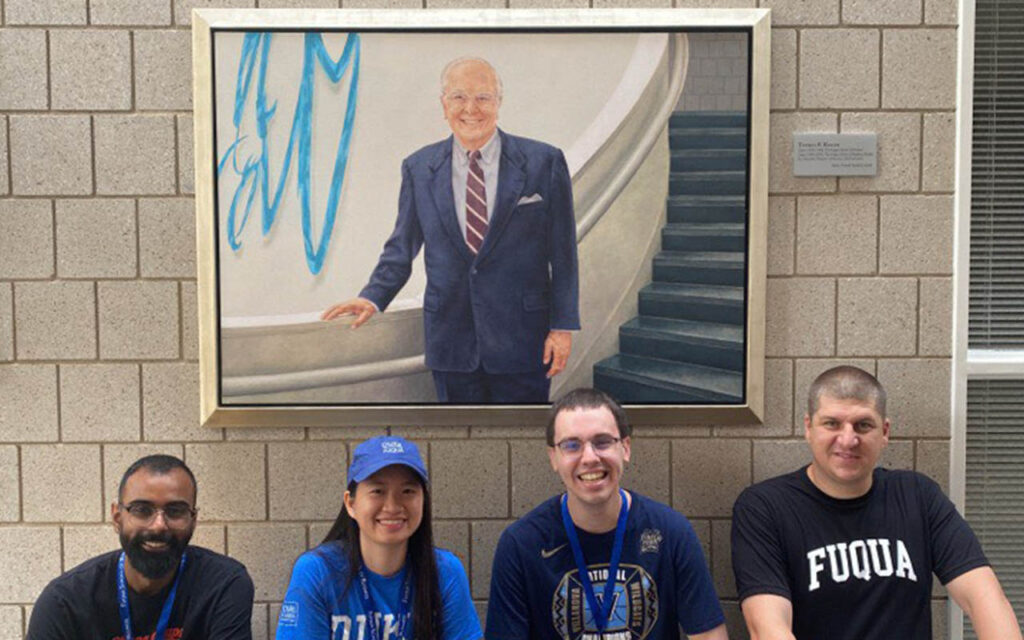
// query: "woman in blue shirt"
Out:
[377,575]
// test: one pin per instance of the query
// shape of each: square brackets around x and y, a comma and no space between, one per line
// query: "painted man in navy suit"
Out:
[493,213]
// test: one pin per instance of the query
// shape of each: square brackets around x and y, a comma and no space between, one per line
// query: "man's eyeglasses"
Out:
[482,100]
[574,446]
[176,514]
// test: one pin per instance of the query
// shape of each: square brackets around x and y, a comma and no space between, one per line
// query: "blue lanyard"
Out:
[122,602]
[371,610]
[601,610]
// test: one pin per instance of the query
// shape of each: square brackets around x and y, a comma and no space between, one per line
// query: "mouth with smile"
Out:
[391,524]
[594,476]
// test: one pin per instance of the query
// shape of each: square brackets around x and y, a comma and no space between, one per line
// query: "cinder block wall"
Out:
[97,295]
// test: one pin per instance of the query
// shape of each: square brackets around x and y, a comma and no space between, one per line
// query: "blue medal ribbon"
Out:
[371,610]
[125,611]
[601,610]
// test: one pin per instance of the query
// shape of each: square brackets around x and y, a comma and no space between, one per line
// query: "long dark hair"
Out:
[420,560]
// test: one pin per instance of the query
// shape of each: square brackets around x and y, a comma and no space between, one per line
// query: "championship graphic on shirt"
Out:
[633,613]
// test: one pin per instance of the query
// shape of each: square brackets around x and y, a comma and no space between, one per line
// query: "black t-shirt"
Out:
[859,568]
[214,600]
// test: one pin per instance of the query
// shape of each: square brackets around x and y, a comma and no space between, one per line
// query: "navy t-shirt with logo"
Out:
[858,568]
[662,582]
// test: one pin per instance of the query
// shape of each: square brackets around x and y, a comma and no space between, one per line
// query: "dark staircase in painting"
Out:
[687,344]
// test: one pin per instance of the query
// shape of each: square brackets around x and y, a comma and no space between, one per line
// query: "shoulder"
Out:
[448,564]
[528,146]
[76,583]
[429,153]
[773,489]
[647,508]
[907,482]
[537,522]
[217,569]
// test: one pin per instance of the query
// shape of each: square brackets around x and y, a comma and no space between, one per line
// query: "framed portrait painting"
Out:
[452,217]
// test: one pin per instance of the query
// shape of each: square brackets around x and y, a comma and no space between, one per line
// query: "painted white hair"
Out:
[462,60]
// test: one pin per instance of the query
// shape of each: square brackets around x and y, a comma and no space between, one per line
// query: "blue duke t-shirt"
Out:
[317,607]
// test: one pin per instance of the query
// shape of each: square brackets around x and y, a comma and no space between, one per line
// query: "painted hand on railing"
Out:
[557,347]
[362,308]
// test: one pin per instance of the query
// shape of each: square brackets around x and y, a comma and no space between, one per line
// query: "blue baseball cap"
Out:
[376,453]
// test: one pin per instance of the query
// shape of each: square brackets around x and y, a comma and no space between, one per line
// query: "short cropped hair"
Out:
[846,383]
[158,464]
[587,398]
[464,59]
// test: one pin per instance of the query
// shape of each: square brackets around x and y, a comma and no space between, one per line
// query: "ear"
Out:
[885,431]
[625,449]
[349,505]
[553,458]
[115,517]
[807,427]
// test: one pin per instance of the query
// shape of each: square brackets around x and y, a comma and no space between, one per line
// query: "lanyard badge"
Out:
[372,612]
[125,611]
[601,610]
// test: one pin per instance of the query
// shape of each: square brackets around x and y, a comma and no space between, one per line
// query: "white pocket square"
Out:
[530,199]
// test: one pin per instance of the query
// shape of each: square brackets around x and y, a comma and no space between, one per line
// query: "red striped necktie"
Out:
[476,204]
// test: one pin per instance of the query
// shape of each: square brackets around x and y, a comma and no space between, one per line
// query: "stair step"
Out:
[703,236]
[708,183]
[691,119]
[685,301]
[647,380]
[690,208]
[704,267]
[703,343]
[708,138]
[709,159]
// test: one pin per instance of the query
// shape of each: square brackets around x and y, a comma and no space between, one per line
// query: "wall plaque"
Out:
[835,154]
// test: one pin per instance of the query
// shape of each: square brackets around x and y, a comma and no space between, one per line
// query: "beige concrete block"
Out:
[22,68]
[549,4]
[382,4]
[935,324]
[877,316]
[170,403]
[190,324]
[96,238]
[781,235]
[167,237]
[721,559]
[298,4]
[10,491]
[629,4]
[186,155]
[898,455]
[805,373]
[51,155]
[456,4]
[259,621]
[82,542]
[137,12]
[45,12]
[780,145]
[32,554]
[357,434]
[420,432]
[702,528]
[940,12]
[933,461]
[264,434]
[26,239]
[6,322]
[783,92]
[894,12]
[5,184]
[820,67]
[268,551]
[465,488]
[318,531]
[163,70]
[483,538]
[138,320]
[118,457]
[506,433]
[648,470]
[533,479]
[90,69]
[801,317]
[918,396]
[210,536]
[917,234]
[55,320]
[453,535]
[919,69]
[61,483]
[778,404]
[28,403]
[708,474]
[99,402]
[183,9]
[307,479]
[10,622]
[776,457]
[938,152]
[836,234]
[135,155]
[899,146]
[803,12]
[234,482]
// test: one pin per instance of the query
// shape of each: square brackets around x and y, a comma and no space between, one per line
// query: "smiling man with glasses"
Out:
[599,561]
[157,586]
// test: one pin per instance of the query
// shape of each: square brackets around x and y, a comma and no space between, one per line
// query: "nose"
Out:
[589,452]
[159,521]
[848,437]
[391,503]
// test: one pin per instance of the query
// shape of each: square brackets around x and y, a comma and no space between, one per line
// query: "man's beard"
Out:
[154,564]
